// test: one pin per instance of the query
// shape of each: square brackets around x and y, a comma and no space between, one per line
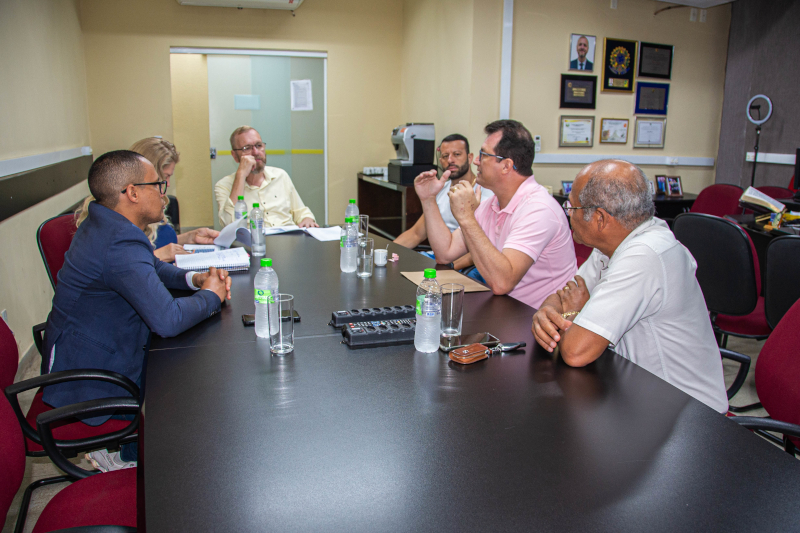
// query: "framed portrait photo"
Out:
[614,130]
[674,187]
[651,98]
[655,60]
[566,187]
[581,51]
[576,131]
[578,92]
[619,62]
[649,132]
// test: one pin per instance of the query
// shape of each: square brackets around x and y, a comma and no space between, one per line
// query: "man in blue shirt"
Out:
[112,291]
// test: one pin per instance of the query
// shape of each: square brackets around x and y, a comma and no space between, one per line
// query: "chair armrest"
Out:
[767,424]
[744,368]
[98,529]
[38,340]
[83,409]
[64,376]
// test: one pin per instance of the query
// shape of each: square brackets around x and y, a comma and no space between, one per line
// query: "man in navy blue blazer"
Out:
[112,291]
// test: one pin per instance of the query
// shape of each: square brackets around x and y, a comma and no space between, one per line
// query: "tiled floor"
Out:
[42,467]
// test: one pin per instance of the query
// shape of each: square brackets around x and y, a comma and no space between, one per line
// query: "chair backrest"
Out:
[9,356]
[12,455]
[777,371]
[582,253]
[719,199]
[782,280]
[54,237]
[174,213]
[727,266]
[776,192]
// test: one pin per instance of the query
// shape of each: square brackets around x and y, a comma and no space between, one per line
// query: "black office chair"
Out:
[173,213]
[782,281]
[728,273]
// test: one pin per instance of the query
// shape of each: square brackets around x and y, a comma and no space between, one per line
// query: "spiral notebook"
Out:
[232,259]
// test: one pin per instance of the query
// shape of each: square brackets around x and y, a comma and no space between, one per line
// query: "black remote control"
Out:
[379,333]
[371,314]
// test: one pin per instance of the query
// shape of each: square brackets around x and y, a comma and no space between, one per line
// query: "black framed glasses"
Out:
[481,153]
[250,147]
[568,207]
[162,186]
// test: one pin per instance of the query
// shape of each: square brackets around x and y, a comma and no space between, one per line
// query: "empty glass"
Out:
[363,227]
[364,258]
[281,340]
[452,309]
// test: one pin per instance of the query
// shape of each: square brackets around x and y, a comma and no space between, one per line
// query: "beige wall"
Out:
[43,109]
[541,54]
[128,72]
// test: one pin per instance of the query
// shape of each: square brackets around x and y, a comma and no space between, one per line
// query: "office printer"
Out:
[414,144]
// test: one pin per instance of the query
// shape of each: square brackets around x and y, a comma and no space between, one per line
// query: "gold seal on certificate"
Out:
[576,131]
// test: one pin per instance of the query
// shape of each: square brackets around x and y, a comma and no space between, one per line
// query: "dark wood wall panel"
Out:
[21,191]
[762,59]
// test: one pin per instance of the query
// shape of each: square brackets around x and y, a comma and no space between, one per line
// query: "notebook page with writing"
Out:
[231,259]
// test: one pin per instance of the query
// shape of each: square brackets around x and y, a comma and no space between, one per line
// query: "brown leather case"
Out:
[469,354]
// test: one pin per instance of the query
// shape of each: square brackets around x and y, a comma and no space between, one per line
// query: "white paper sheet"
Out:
[301,95]
[325,234]
[228,233]
[281,229]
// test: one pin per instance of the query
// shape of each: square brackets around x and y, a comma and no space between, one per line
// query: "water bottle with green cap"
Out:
[348,245]
[429,313]
[240,210]
[258,247]
[352,209]
[265,287]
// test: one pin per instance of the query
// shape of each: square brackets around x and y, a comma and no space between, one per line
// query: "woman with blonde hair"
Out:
[163,155]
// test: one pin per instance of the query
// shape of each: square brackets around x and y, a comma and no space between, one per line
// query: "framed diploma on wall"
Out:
[614,130]
[655,60]
[651,98]
[619,62]
[649,132]
[576,131]
[578,91]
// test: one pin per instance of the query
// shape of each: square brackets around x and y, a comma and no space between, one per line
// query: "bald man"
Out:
[637,293]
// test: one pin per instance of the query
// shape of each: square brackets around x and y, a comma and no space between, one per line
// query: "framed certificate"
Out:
[576,131]
[619,62]
[649,132]
[651,98]
[578,91]
[655,60]
[614,130]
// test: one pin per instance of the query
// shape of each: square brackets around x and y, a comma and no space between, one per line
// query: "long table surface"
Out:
[378,439]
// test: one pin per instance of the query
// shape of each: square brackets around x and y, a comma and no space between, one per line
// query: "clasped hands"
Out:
[463,201]
[548,324]
[215,280]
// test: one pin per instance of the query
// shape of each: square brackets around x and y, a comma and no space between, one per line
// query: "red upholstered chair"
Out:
[718,200]
[84,437]
[54,237]
[582,253]
[99,500]
[778,193]
[777,377]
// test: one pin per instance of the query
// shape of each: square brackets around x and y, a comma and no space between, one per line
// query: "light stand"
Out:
[758,122]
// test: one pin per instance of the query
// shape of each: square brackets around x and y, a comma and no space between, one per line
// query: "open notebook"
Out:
[231,259]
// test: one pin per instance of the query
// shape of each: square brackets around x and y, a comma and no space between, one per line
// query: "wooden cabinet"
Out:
[392,208]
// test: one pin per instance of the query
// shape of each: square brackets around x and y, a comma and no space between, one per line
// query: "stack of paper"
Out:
[232,259]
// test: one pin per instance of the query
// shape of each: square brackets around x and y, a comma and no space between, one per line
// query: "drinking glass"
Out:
[364,258]
[281,340]
[452,309]
[363,227]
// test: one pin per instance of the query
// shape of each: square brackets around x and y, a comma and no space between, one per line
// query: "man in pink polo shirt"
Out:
[520,241]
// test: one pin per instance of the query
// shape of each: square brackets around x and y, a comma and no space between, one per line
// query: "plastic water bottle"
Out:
[348,244]
[265,289]
[240,209]
[352,209]
[429,313]
[257,245]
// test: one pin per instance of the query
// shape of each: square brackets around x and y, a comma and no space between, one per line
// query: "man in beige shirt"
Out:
[270,187]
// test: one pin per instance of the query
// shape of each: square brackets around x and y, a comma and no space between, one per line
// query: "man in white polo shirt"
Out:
[637,292]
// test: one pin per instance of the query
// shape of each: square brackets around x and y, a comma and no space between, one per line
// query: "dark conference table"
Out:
[378,439]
